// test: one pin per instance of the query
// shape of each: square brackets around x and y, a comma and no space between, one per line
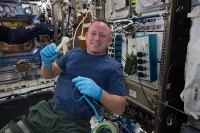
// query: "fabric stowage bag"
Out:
[191,93]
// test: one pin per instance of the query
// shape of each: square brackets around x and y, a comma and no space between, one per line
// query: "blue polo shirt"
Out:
[105,71]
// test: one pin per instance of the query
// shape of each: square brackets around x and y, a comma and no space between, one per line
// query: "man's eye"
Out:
[92,34]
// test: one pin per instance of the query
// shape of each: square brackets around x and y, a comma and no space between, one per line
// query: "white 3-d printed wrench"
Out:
[65,40]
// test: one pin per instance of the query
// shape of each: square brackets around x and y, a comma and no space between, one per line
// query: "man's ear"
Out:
[110,40]
[86,34]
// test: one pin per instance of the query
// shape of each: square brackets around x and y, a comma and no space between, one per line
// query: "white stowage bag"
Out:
[57,11]
[191,93]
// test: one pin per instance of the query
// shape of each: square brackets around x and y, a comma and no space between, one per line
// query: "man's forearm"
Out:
[114,103]
[47,72]
[51,71]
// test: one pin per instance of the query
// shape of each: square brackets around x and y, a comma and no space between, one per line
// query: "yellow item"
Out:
[133,1]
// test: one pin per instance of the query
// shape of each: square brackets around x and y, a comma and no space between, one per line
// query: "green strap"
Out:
[8,130]
[23,127]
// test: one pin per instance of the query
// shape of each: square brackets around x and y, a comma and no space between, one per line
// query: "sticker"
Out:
[132,93]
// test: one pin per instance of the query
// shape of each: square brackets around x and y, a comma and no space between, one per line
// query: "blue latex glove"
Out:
[88,87]
[48,54]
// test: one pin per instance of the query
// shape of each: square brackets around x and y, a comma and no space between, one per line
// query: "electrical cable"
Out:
[148,100]
[158,100]
[171,107]
[167,81]
[123,59]
[144,93]
[146,96]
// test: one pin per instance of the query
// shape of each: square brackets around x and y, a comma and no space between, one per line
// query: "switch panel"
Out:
[147,57]
[115,49]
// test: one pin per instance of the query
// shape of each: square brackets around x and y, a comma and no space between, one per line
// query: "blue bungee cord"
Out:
[90,103]
[102,126]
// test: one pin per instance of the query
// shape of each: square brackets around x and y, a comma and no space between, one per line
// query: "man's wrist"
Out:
[47,64]
[100,94]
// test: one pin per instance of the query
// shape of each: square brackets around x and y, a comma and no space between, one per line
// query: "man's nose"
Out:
[97,37]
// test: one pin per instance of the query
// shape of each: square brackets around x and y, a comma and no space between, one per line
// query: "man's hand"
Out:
[48,54]
[88,87]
